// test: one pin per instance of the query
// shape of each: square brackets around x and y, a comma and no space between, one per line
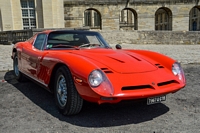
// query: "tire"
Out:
[18,75]
[67,98]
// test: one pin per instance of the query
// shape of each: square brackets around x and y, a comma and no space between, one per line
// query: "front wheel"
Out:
[67,98]
[19,76]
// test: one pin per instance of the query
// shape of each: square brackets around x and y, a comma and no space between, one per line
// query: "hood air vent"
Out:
[106,70]
[159,66]
[134,57]
[117,59]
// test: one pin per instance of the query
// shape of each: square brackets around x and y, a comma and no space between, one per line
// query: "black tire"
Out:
[67,98]
[18,75]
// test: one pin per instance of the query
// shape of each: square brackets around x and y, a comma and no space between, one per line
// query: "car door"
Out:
[33,56]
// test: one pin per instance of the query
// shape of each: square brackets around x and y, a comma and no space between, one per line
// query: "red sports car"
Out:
[80,65]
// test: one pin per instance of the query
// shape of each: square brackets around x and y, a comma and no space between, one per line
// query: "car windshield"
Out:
[72,40]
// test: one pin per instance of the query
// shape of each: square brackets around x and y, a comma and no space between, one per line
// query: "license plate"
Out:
[153,100]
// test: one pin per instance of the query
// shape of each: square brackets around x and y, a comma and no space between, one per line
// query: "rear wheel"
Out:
[19,76]
[67,98]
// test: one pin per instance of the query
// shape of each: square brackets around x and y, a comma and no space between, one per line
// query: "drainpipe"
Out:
[197,2]
[127,2]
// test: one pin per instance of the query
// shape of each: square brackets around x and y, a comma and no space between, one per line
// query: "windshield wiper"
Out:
[63,46]
[88,45]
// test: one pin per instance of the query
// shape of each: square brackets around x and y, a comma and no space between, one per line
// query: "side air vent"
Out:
[140,87]
[106,70]
[159,66]
[167,83]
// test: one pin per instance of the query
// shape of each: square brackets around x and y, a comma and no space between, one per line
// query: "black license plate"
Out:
[153,100]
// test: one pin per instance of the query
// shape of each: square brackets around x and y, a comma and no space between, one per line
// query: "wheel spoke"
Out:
[62,91]
[67,98]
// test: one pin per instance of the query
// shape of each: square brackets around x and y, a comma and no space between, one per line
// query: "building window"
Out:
[194,26]
[128,19]
[28,14]
[92,19]
[194,19]
[163,19]
[97,19]
[194,12]
[88,18]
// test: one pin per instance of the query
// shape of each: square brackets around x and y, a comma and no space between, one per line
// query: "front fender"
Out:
[155,57]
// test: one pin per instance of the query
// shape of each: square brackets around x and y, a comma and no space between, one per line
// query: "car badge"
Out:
[153,83]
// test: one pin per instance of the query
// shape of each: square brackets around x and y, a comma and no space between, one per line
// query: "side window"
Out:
[39,42]
[31,40]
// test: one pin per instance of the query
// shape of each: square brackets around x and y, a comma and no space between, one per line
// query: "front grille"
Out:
[167,83]
[137,87]
[149,87]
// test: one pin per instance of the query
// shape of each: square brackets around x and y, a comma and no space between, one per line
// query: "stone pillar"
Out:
[53,13]
[110,17]
[11,18]
[6,14]
[39,14]
[180,23]
[17,15]
[181,17]
[146,17]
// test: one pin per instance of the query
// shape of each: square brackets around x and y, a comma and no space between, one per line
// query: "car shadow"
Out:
[92,115]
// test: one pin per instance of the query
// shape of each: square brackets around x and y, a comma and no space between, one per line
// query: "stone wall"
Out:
[118,37]
[151,37]
[145,9]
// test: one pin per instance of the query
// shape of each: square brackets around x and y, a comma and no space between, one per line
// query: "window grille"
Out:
[28,14]
[127,20]
[162,20]
[87,18]
[194,19]
[97,19]
[92,19]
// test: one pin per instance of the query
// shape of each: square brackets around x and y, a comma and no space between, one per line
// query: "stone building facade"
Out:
[120,15]
[27,14]
[171,15]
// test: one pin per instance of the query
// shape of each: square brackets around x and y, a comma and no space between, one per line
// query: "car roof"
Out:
[68,31]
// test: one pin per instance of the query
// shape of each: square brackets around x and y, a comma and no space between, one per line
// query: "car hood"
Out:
[118,60]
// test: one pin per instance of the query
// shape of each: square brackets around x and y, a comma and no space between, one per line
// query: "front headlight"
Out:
[178,71]
[95,78]
[100,83]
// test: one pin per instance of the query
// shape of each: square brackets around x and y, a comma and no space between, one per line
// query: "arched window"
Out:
[194,19]
[163,19]
[128,19]
[92,19]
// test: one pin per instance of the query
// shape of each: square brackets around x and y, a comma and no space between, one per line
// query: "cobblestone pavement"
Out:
[5,57]
[183,53]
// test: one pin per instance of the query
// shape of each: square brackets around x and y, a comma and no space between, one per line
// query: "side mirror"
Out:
[118,46]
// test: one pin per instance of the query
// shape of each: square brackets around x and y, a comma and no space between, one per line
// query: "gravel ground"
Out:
[185,54]
[26,107]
